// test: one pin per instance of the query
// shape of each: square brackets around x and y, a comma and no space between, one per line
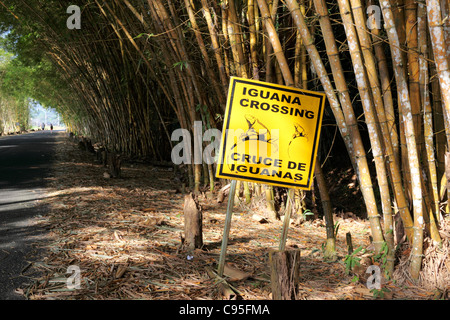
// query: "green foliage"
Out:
[382,257]
[306,213]
[22,84]
[28,73]
[379,293]
[336,229]
[351,260]
[149,35]
[180,64]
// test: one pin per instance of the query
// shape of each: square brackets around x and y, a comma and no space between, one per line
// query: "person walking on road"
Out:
[51,128]
[43,126]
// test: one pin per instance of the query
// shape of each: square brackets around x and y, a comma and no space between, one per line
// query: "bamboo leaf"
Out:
[149,35]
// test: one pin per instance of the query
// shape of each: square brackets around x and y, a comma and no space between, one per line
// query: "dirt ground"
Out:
[125,237]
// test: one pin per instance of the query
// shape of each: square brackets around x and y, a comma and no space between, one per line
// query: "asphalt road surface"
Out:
[25,162]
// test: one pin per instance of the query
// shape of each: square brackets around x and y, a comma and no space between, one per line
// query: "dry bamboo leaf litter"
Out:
[124,235]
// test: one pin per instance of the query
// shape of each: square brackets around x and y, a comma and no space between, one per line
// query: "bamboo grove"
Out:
[138,69]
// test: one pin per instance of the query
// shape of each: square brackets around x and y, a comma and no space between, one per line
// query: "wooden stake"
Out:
[286,219]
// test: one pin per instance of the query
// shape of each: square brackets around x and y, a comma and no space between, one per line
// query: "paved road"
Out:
[25,162]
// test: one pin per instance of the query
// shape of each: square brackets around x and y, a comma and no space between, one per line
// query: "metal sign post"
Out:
[270,135]
[226,228]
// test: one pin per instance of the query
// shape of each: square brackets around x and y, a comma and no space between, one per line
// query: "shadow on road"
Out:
[25,164]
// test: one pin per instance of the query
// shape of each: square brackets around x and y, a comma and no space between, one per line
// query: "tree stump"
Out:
[86,144]
[285,272]
[89,147]
[192,223]
[102,156]
[114,163]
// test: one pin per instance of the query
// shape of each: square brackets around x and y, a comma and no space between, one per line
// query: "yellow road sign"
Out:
[270,134]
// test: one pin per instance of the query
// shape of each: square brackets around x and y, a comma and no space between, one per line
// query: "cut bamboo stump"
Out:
[114,164]
[285,272]
[348,238]
[192,223]
[101,155]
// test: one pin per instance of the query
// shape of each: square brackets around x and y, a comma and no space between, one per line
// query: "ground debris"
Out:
[124,236]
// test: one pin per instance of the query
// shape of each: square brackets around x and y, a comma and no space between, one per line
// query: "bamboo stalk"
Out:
[201,44]
[273,7]
[437,35]
[386,90]
[330,247]
[402,87]
[438,123]
[345,100]
[428,119]
[275,42]
[367,102]
[303,53]
[298,61]
[370,64]
[234,32]
[215,45]
[270,201]
[247,193]
[445,13]
[319,176]
[320,69]
[252,30]
[226,40]
[413,65]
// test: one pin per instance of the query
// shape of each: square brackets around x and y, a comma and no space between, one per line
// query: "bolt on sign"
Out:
[271,134]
